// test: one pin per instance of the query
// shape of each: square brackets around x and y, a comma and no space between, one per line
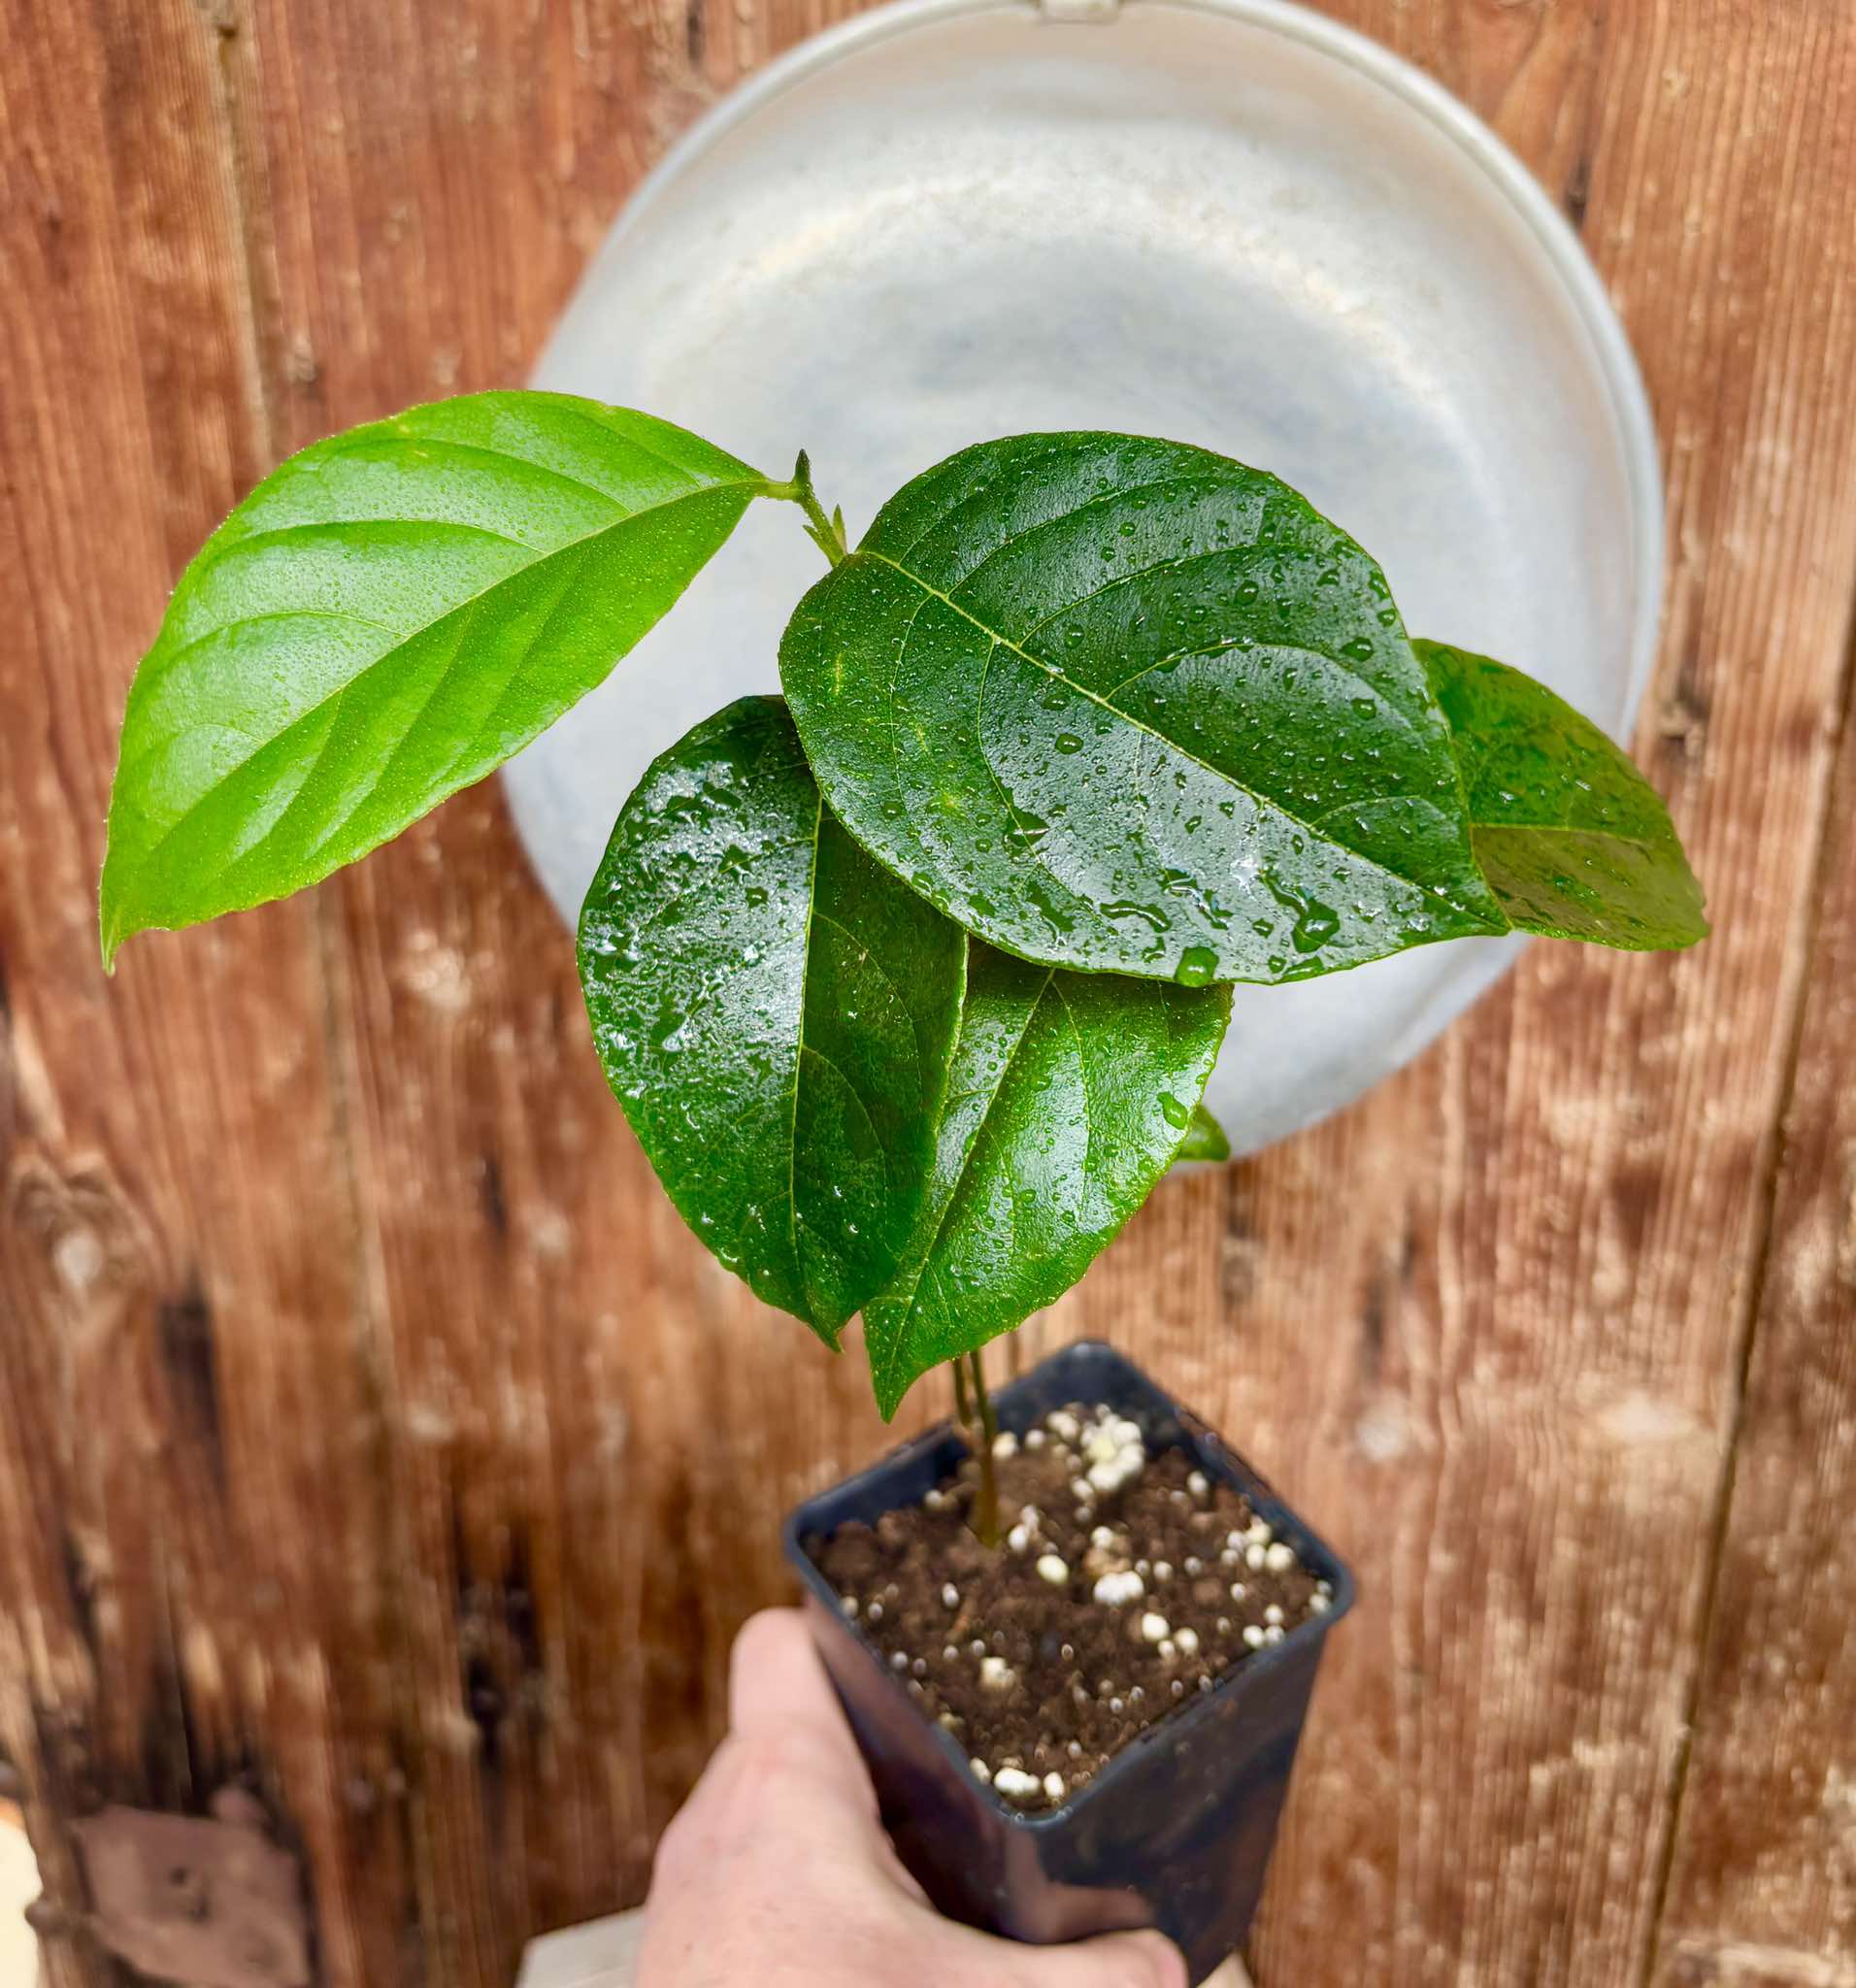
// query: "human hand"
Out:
[777,1872]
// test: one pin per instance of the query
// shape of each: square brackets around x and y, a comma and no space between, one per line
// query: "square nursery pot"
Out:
[1175,1832]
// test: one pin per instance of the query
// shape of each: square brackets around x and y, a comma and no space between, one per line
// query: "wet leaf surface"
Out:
[1574,841]
[1122,704]
[387,618]
[774,1012]
[1069,1096]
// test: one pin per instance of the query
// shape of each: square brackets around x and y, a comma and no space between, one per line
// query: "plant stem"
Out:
[825,529]
[973,1406]
[985,1511]
[988,1423]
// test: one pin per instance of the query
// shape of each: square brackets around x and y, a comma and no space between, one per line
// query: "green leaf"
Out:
[1118,703]
[387,618]
[1574,840]
[774,1012]
[1206,1139]
[1068,1097]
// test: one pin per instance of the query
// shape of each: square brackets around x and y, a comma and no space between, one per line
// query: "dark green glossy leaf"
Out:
[1118,703]
[387,618]
[1574,840]
[1206,1139]
[1068,1097]
[774,1012]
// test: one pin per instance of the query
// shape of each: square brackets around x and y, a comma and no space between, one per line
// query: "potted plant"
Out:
[910,984]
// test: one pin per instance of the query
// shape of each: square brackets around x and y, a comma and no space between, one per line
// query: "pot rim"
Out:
[1212,1454]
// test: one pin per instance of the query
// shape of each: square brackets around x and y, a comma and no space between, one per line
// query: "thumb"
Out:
[777,1689]
[1115,1960]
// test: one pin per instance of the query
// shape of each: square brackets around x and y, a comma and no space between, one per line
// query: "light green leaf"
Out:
[387,618]
[1575,842]
[774,1012]
[1118,703]
[1206,1139]
[1068,1097]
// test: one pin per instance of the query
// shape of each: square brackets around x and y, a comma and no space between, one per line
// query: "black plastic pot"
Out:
[1175,1832]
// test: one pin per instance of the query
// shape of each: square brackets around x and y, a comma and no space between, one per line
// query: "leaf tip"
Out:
[890,1397]
[110,932]
[885,1381]
[1203,1139]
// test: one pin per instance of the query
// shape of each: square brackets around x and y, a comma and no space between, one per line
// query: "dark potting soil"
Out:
[1126,1586]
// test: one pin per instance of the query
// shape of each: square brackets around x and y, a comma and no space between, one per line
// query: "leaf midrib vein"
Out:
[1262,801]
[925,1259]
[469,602]
[1597,835]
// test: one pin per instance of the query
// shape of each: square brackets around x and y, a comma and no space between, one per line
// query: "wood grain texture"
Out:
[176,1248]
[371,1427]
[1763,1885]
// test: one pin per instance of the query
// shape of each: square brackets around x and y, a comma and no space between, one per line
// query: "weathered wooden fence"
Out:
[373,1438]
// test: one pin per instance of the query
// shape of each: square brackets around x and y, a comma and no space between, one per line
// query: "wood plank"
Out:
[1763,1884]
[177,1248]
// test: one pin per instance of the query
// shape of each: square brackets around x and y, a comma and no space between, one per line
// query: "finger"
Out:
[777,1688]
[787,1733]
[780,1695]
[1115,1960]
[787,1772]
